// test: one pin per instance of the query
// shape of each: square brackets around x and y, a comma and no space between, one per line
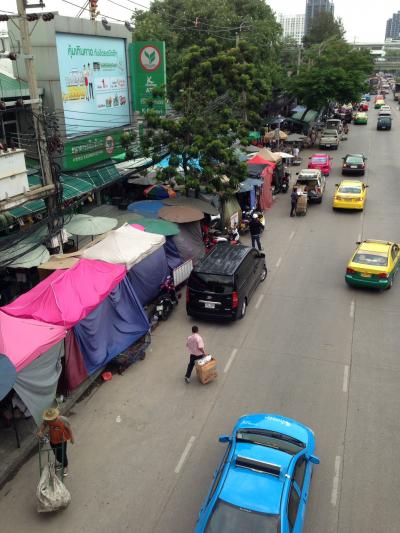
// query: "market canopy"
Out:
[159,227]
[88,225]
[8,375]
[180,214]
[22,340]
[159,192]
[25,255]
[273,135]
[126,245]
[67,296]
[196,203]
[146,208]
[269,156]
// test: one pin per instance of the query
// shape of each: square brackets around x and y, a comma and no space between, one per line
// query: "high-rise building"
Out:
[293,26]
[314,7]
[393,27]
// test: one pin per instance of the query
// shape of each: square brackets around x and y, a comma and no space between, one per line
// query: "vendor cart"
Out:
[302,201]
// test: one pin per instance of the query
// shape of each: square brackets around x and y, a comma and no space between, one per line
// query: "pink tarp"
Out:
[67,296]
[23,340]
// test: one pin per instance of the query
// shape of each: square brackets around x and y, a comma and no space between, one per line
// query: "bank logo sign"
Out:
[150,58]
[148,72]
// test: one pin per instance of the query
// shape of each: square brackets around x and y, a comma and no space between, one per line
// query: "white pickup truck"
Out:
[329,139]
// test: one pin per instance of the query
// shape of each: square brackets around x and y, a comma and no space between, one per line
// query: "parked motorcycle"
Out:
[167,299]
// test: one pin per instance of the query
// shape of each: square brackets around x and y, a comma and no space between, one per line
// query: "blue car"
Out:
[263,481]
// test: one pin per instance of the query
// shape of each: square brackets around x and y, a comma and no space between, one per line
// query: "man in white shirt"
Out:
[195,346]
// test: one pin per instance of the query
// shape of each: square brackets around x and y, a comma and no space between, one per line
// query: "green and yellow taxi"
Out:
[373,265]
[361,118]
[379,103]
[350,194]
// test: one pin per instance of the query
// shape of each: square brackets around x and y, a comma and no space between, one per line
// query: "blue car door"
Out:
[298,495]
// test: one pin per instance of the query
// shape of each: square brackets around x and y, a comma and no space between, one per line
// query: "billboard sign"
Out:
[91,149]
[94,82]
[148,71]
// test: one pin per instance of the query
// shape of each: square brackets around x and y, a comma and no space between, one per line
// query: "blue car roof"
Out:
[279,424]
[257,491]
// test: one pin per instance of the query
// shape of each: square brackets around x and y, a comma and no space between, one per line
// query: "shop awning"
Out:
[74,187]
[36,206]
[100,177]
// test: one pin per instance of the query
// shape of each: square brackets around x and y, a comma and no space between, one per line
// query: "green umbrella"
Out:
[29,256]
[88,225]
[160,227]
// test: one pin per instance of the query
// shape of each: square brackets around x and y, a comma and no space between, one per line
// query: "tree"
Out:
[332,71]
[323,27]
[183,23]
[217,96]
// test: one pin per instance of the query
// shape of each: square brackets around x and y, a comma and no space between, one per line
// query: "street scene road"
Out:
[309,348]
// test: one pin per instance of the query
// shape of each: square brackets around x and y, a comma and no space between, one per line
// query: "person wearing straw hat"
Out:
[59,430]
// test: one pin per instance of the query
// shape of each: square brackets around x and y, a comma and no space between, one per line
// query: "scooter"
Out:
[167,299]
[285,182]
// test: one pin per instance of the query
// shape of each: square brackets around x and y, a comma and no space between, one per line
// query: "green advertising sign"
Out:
[89,150]
[148,71]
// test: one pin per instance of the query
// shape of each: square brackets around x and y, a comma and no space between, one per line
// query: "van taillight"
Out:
[235,300]
[187,295]
[318,189]
[382,275]
[350,271]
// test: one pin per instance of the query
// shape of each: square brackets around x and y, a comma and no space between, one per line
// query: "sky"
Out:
[363,21]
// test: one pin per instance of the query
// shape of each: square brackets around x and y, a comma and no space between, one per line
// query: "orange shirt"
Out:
[59,430]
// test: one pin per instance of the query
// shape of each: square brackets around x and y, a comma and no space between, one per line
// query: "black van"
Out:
[221,285]
[384,123]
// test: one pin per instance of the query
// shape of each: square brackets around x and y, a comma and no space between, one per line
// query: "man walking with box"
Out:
[195,346]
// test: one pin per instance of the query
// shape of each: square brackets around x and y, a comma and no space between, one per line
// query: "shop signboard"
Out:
[94,82]
[148,71]
[89,150]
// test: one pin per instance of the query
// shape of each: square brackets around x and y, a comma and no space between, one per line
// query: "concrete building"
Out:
[314,7]
[393,27]
[293,26]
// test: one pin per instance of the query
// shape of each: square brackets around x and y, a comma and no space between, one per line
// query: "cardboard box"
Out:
[208,372]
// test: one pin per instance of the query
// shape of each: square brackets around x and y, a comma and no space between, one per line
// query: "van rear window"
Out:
[211,283]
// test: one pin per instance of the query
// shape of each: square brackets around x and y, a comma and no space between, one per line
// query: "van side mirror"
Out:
[224,438]
[261,255]
[314,459]
[336,184]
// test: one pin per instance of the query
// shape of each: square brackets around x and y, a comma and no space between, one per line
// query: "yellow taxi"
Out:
[350,194]
[379,103]
[374,264]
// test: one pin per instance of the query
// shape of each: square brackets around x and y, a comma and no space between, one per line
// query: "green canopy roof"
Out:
[101,176]
[74,187]
[158,226]
[28,209]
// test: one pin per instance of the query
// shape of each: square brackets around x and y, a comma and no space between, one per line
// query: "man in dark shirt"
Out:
[255,231]
[293,199]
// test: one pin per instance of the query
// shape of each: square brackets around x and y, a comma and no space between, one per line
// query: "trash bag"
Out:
[51,493]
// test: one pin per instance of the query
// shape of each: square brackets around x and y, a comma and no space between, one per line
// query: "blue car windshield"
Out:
[271,439]
[229,519]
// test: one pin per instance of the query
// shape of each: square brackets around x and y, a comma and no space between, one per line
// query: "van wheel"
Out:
[263,274]
[243,308]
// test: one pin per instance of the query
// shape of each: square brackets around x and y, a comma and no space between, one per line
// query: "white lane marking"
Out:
[259,301]
[278,262]
[291,235]
[230,360]
[335,484]
[352,307]
[184,454]
[346,378]
[359,237]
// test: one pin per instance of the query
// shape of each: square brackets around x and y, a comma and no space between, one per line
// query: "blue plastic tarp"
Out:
[147,276]
[146,208]
[193,163]
[172,254]
[112,327]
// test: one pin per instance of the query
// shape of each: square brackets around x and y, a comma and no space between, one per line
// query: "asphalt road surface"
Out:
[309,348]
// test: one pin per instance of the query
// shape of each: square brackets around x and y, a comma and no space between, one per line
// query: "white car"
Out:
[385,107]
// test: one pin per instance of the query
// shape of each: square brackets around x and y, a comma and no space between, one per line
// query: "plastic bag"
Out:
[51,493]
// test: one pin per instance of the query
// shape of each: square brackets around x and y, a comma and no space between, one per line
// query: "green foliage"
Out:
[127,139]
[217,95]
[332,71]
[322,28]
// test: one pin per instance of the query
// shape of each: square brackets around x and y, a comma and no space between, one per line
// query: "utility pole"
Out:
[35,104]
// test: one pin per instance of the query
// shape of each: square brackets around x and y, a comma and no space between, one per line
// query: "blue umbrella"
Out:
[8,375]
[146,208]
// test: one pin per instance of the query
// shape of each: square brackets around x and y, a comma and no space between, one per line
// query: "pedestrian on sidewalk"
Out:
[256,229]
[293,200]
[58,428]
[195,346]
